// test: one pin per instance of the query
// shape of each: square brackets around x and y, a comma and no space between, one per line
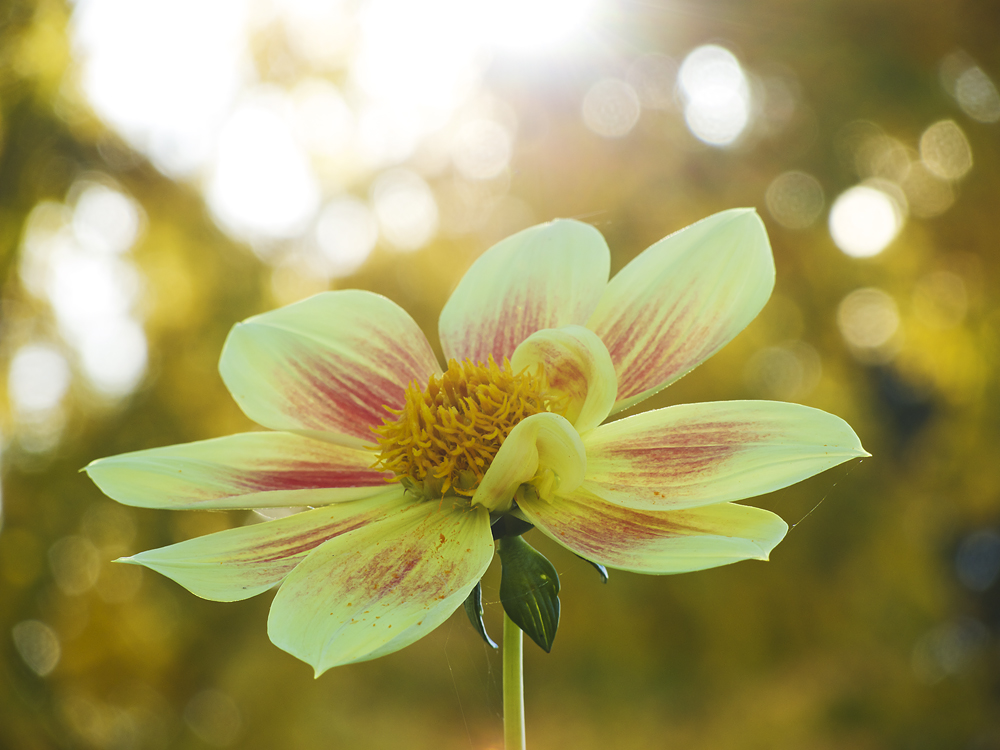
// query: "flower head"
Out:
[405,468]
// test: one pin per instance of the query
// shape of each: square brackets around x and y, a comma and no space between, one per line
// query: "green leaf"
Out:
[529,590]
[474,609]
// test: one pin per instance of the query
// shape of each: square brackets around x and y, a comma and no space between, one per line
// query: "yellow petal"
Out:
[674,541]
[577,367]
[250,470]
[682,300]
[544,449]
[548,276]
[381,586]
[696,454]
[326,366]
[242,562]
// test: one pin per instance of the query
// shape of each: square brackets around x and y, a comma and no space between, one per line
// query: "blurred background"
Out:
[167,169]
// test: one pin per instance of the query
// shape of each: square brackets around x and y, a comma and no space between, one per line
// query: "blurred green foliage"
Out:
[859,633]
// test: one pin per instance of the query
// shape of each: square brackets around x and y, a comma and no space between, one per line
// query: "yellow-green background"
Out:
[841,641]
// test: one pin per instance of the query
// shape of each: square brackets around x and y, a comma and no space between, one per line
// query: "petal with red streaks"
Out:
[682,300]
[545,450]
[239,563]
[249,470]
[382,586]
[577,368]
[643,541]
[547,276]
[696,454]
[326,366]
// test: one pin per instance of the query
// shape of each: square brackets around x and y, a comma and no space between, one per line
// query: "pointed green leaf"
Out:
[529,590]
[601,570]
[474,609]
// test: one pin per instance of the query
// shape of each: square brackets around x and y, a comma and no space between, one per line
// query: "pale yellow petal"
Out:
[643,541]
[548,276]
[242,562]
[249,470]
[697,454]
[682,300]
[326,366]
[381,586]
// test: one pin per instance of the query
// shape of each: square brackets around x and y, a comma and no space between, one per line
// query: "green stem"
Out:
[513,687]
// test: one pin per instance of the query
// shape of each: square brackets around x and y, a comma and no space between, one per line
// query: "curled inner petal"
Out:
[577,366]
[544,450]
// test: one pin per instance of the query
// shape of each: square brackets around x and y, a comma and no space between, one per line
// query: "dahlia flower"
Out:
[404,468]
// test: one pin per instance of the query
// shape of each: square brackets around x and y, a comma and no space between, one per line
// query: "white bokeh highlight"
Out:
[38,379]
[76,260]
[530,26]
[716,95]
[104,220]
[261,184]
[346,233]
[324,122]
[864,220]
[164,75]
[945,150]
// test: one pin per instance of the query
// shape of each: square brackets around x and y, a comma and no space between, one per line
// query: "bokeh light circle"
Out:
[405,208]
[261,184]
[38,378]
[481,149]
[346,234]
[795,199]
[864,220]
[945,150]
[611,108]
[716,95]
[868,318]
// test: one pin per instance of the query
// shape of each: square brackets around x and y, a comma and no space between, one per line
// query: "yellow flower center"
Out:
[446,435]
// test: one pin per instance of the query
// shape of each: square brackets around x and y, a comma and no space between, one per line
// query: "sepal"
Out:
[529,590]
[601,570]
[474,609]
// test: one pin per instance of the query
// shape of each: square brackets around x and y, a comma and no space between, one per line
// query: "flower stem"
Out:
[513,687]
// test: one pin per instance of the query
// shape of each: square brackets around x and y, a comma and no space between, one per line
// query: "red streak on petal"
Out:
[603,529]
[300,544]
[328,390]
[499,332]
[677,454]
[305,478]
[651,343]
